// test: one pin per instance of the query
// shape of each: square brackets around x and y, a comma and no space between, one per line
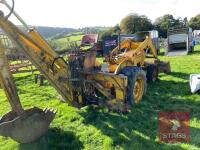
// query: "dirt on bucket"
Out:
[28,127]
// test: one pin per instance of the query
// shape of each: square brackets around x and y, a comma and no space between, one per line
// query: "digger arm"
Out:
[135,52]
[43,57]
[148,43]
[129,44]
[124,44]
[138,55]
[7,83]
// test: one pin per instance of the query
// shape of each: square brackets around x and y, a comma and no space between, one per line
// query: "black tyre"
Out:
[152,73]
[136,84]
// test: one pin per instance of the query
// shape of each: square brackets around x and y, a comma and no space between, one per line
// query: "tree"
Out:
[164,22]
[194,22]
[133,23]
[185,21]
[108,33]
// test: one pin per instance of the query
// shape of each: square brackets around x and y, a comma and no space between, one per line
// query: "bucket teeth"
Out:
[55,111]
[44,109]
[50,110]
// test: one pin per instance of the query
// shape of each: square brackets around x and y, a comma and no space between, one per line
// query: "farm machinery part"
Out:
[76,79]
[25,126]
[130,55]
[134,53]
[21,125]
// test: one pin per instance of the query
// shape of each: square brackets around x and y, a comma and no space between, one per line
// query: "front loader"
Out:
[138,61]
[76,79]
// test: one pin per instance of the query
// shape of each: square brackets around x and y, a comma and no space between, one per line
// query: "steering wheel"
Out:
[10,8]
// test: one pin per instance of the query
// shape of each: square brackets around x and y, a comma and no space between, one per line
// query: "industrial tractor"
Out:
[117,84]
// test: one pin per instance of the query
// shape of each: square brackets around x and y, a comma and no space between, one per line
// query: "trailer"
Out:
[179,41]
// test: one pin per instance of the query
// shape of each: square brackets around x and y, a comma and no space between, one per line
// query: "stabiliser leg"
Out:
[23,126]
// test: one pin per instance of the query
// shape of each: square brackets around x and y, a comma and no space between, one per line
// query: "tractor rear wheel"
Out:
[152,73]
[136,84]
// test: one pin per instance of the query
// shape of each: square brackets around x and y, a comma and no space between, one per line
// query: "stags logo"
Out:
[174,126]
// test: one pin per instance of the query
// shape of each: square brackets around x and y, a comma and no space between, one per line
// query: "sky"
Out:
[85,13]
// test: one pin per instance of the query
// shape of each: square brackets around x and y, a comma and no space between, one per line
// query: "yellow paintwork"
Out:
[112,68]
[134,54]
[43,57]
[37,37]
[118,81]
[138,90]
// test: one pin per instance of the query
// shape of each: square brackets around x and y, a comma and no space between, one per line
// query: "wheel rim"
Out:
[138,90]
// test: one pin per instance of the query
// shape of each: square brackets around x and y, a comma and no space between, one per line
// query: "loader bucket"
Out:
[163,67]
[28,127]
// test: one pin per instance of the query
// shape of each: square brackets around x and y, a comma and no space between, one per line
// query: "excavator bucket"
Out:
[27,127]
[23,126]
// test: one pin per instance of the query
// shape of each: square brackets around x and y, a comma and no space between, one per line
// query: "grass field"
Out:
[63,43]
[93,128]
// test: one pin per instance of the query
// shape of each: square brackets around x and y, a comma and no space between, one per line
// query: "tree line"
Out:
[134,22]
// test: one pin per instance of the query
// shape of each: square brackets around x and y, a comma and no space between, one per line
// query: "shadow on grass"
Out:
[136,130]
[53,140]
[168,89]
[195,52]
[140,129]
[194,136]
[180,75]
[161,53]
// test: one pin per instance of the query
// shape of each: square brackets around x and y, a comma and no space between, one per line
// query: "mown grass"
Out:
[94,128]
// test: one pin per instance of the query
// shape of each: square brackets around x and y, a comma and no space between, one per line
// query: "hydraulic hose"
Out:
[12,11]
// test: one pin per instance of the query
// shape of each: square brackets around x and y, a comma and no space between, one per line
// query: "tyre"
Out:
[136,84]
[152,73]
[191,50]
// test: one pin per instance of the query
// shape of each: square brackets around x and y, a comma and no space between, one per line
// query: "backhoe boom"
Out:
[43,57]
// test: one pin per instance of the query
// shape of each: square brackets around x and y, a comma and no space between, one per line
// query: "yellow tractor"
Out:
[129,59]
[117,85]
[139,62]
